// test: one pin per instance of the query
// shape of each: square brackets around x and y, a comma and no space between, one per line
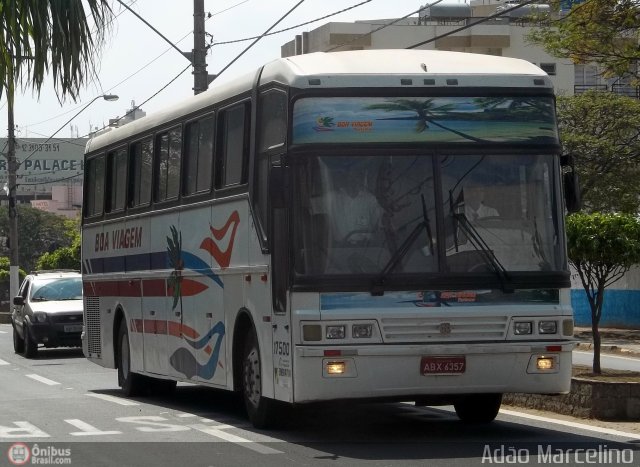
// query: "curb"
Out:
[607,349]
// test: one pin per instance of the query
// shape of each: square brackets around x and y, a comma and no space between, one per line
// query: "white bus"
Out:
[384,224]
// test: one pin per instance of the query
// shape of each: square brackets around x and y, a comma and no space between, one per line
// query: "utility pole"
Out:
[199,54]
[12,167]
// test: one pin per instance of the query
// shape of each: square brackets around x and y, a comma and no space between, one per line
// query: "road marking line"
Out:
[608,355]
[186,415]
[597,429]
[4,332]
[2,362]
[42,379]
[115,400]
[218,432]
[88,430]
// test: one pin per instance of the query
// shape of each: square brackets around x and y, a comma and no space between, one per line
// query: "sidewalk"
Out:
[613,340]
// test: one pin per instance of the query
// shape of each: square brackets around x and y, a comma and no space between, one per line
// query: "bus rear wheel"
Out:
[132,384]
[259,408]
[478,408]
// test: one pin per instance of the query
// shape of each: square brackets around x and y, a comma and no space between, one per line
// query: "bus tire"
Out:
[259,409]
[18,342]
[132,384]
[478,408]
[30,346]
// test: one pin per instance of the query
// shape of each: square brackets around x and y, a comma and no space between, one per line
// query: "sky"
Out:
[135,62]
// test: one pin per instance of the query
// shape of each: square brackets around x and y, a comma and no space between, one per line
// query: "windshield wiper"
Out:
[481,246]
[378,284]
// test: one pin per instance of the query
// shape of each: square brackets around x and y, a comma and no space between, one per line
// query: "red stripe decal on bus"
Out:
[134,288]
[188,288]
[222,257]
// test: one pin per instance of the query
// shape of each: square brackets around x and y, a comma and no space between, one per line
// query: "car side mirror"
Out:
[19,300]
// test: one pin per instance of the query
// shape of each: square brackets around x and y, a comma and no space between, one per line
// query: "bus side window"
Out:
[140,173]
[272,133]
[117,179]
[94,187]
[198,156]
[167,164]
[233,146]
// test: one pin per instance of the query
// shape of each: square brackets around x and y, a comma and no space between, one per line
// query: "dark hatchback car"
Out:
[48,311]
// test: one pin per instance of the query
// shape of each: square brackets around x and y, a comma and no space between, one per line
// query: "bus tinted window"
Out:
[95,186]
[168,164]
[273,119]
[140,176]
[117,179]
[231,159]
[198,156]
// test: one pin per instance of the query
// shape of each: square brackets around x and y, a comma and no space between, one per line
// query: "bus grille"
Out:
[92,325]
[444,329]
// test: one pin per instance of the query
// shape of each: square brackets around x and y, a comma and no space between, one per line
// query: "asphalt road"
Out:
[61,407]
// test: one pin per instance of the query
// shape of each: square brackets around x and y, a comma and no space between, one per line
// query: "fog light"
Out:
[335,332]
[362,331]
[547,327]
[336,368]
[545,363]
[521,328]
[312,332]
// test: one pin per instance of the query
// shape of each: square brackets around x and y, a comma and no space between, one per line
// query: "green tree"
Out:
[67,257]
[601,131]
[39,232]
[602,248]
[4,282]
[596,31]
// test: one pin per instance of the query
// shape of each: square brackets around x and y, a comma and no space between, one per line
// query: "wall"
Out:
[621,307]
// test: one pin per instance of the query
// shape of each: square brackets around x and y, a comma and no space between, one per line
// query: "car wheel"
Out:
[18,342]
[132,384]
[260,409]
[30,346]
[478,408]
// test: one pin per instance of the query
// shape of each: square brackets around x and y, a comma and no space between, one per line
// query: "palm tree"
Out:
[426,113]
[39,37]
[49,36]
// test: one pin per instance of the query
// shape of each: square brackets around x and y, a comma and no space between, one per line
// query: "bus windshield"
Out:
[403,214]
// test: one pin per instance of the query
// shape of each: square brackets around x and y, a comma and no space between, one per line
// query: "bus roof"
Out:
[393,68]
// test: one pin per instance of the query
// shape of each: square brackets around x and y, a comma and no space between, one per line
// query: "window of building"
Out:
[198,156]
[94,200]
[169,150]
[231,159]
[548,68]
[140,175]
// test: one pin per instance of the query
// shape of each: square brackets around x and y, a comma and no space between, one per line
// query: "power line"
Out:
[293,27]
[383,26]
[260,37]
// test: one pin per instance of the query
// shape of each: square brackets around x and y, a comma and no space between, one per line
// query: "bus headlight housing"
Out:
[547,327]
[335,331]
[521,328]
[40,317]
[362,331]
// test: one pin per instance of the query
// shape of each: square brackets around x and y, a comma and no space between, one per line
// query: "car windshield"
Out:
[68,288]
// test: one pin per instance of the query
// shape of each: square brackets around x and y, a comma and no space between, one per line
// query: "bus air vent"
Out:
[92,325]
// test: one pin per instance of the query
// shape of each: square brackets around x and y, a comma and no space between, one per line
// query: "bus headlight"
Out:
[335,368]
[547,327]
[335,332]
[521,328]
[545,363]
[364,331]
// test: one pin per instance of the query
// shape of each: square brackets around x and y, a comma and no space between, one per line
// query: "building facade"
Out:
[503,36]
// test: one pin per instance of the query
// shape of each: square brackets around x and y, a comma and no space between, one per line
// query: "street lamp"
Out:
[13,165]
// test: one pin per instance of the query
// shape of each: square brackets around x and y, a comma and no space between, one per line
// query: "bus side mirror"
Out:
[572,196]
[278,186]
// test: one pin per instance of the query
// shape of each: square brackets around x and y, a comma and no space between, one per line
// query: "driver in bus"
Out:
[475,207]
[355,211]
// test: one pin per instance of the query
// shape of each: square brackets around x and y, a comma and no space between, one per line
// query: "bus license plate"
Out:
[443,365]
[73,328]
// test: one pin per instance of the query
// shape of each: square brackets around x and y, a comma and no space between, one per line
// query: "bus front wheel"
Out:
[478,408]
[132,384]
[259,408]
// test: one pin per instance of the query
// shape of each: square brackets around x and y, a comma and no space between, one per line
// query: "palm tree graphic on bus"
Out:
[183,359]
